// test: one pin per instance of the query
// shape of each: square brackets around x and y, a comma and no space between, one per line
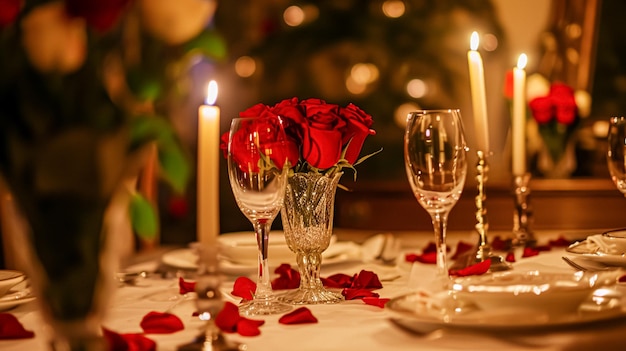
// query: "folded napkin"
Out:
[128,342]
[244,287]
[229,321]
[161,323]
[300,315]
[11,328]
[475,269]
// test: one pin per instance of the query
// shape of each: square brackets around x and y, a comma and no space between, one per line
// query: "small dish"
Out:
[8,279]
[615,240]
[553,293]
[17,295]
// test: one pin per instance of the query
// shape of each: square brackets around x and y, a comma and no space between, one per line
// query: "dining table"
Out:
[350,324]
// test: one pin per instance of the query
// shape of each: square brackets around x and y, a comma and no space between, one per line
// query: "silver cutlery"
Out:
[590,266]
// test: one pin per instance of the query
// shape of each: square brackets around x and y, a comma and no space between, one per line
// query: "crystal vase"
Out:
[307,217]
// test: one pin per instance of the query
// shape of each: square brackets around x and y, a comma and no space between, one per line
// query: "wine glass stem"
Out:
[264,286]
[440,222]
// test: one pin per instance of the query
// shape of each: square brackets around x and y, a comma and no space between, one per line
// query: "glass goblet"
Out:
[616,152]
[258,179]
[436,166]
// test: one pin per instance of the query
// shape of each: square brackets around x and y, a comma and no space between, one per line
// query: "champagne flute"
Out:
[436,165]
[616,152]
[258,178]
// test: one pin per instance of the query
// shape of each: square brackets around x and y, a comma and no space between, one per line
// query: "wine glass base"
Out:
[311,297]
[260,307]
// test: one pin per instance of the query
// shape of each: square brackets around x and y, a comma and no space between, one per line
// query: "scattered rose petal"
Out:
[353,294]
[301,315]
[134,341]
[529,252]
[185,286]
[338,280]
[461,248]
[428,258]
[244,287]
[475,269]
[510,257]
[561,241]
[161,323]
[622,279]
[229,321]
[430,247]
[11,328]
[366,280]
[288,278]
[375,301]
[500,244]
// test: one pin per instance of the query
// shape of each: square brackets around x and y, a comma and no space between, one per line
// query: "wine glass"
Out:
[616,152]
[436,165]
[258,180]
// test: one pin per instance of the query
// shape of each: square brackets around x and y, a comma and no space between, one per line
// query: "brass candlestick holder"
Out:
[523,235]
[209,303]
[483,250]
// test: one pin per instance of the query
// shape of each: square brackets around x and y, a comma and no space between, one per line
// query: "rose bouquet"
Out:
[322,138]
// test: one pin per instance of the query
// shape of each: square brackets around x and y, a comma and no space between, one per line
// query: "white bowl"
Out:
[8,279]
[241,247]
[615,241]
[552,293]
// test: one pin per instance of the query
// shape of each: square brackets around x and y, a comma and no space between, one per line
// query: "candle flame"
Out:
[211,95]
[522,61]
[474,41]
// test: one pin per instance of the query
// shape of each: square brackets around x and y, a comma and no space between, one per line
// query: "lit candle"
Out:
[518,124]
[479,99]
[208,169]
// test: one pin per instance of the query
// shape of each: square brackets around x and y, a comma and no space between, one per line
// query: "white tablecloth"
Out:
[350,325]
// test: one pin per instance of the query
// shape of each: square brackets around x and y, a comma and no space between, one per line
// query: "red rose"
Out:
[564,103]
[542,109]
[246,151]
[321,137]
[357,129]
[9,9]
[99,14]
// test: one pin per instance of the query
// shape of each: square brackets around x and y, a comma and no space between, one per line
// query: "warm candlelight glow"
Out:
[474,40]
[522,61]
[208,172]
[211,95]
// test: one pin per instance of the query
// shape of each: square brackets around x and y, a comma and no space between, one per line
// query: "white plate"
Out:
[339,252]
[414,312]
[17,295]
[580,249]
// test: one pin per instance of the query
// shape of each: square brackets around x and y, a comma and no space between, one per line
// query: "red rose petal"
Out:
[461,248]
[529,252]
[375,301]
[428,258]
[249,327]
[161,323]
[11,328]
[228,317]
[366,280]
[353,294]
[338,280]
[560,242]
[301,315]
[475,269]
[134,342]
[288,278]
[510,257]
[185,287]
[244,287]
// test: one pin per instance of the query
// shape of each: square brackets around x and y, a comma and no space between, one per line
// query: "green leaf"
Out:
[143,217]
[174,166]
[210,44]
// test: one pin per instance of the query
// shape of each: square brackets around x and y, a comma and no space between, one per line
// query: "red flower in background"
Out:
[9,9]
[559,105]
[99,14]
